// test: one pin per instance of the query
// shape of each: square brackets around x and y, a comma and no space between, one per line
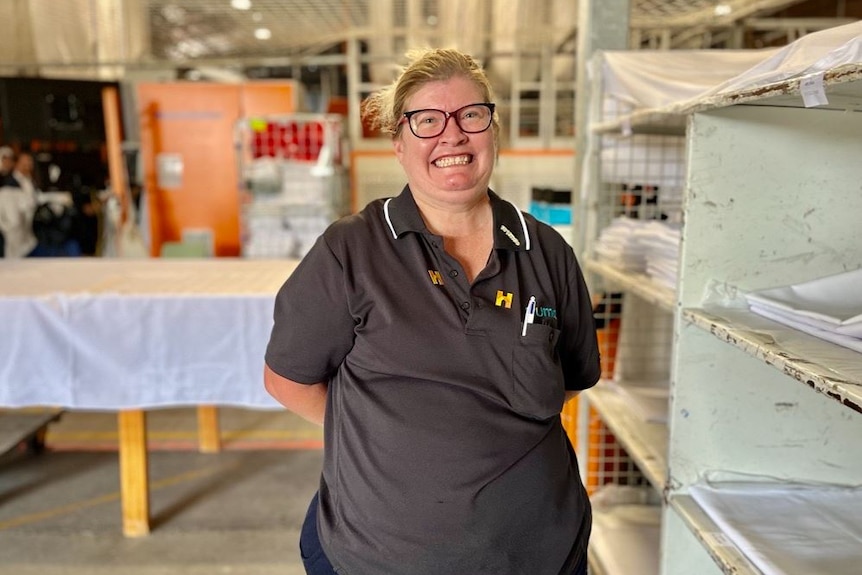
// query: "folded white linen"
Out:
[787,529]
[840,339]
[835,300]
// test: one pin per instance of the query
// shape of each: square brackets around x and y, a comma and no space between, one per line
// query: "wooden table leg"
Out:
[134,472]
[209,435]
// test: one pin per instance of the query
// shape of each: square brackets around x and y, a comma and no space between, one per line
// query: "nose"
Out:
[451,129]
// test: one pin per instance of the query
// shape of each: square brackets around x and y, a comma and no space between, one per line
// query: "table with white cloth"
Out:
[129,335]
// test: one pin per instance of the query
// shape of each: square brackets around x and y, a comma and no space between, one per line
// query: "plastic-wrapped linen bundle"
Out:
[618,246]
[661,250]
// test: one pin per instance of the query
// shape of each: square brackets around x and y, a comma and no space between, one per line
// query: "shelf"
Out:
[717,544]
[639,284]
[842,86]
[634,528]
[646,443]
[803,357]
[654,123]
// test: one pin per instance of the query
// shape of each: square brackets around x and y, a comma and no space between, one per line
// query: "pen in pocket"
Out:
[529,315]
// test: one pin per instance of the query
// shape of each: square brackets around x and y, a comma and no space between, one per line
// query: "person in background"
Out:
[7,166]
[51,222]
[17,205]
[24,174]
[436,336]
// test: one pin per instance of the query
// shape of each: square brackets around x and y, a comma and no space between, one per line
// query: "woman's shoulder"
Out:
[353,227]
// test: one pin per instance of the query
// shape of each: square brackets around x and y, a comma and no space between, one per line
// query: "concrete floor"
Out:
[235,512]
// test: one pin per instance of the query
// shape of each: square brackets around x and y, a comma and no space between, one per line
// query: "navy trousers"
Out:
[313,557]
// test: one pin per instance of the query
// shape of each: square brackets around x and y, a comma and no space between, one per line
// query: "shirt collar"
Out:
[510,230]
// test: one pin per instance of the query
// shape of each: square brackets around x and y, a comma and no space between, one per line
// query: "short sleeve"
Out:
[313,329]
[579,348]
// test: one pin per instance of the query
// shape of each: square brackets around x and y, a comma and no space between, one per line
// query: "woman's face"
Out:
[454,168]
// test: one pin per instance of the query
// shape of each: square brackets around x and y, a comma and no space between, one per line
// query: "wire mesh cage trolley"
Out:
[294,182]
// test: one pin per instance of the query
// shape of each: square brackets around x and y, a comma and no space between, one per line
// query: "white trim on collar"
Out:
[523,225]
[527,242]
[388,219]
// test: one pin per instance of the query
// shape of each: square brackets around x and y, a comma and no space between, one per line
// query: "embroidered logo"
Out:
[436,277]
[548,312]
[510,235]
[504,299]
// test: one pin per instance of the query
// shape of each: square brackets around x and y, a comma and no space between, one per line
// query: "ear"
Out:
[398,145]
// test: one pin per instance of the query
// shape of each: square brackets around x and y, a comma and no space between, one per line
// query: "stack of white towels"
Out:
[829,308]
[645,246]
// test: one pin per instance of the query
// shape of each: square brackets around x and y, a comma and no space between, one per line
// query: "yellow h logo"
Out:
[504,299]
[436,277]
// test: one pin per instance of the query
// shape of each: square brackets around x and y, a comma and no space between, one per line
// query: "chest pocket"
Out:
[538,390]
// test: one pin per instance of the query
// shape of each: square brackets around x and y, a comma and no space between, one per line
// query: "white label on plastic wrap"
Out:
[813,93]
[627,128]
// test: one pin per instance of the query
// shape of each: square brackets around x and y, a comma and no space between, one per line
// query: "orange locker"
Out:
[188,148]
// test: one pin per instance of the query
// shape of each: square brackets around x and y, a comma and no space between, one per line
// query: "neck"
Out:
[467,232]
[457,221]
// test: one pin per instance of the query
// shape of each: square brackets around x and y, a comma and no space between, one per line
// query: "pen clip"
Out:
[529,314]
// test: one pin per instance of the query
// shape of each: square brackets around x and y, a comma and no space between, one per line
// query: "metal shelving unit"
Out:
[770,198]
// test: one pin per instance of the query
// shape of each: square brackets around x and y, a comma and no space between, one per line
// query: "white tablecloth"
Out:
[136,333]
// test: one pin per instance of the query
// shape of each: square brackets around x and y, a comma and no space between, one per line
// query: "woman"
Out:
[436,335]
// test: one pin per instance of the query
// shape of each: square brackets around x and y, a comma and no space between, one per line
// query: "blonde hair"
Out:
[384,109]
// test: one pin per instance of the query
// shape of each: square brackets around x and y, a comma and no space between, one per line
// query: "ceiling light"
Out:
[240,4]
[723,9]
[263,33]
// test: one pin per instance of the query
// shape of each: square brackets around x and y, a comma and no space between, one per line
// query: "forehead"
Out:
[446,95]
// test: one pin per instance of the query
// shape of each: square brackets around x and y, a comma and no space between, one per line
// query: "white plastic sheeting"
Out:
[655,79]
[675,81]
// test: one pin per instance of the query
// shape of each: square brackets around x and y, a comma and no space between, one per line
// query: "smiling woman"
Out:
[406,331]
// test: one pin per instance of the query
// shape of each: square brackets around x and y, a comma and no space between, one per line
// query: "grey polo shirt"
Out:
[444,450]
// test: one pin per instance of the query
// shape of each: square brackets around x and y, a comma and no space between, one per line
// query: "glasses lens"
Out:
[428,123]
[474,118]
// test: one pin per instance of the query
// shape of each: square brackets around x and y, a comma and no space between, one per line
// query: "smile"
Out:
[453,161]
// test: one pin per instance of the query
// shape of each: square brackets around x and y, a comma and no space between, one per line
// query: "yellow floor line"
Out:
[191,434]
[109,497]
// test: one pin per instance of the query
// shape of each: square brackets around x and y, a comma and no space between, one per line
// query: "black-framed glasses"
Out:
[430,123]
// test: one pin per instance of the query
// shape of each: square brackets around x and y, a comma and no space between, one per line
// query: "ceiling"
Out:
[114,36]
[192,29]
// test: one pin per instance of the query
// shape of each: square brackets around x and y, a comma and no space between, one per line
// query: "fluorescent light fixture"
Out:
[263,33]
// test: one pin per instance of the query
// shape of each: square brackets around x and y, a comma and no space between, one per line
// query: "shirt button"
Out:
[453,274]
[465,305]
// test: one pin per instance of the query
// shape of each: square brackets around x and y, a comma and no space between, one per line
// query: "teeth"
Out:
[452,161]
